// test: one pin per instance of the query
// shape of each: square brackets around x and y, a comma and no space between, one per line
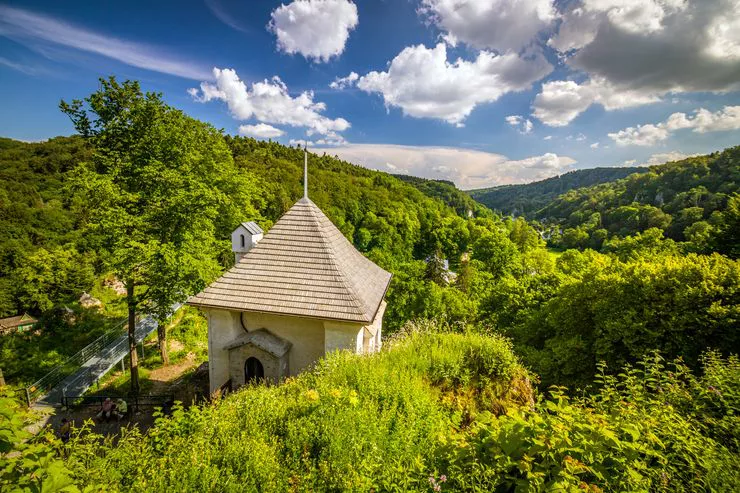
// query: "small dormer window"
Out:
[242,237]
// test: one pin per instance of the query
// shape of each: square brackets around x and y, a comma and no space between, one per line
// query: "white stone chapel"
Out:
[294,295]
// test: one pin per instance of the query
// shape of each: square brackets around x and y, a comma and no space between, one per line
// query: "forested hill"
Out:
[528,198]
[695,200]
[36,222]
[445,190]
[45,261]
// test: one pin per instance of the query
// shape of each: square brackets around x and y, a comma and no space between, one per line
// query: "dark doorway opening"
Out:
[253,370]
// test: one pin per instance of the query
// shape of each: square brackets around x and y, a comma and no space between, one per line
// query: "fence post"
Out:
[123,365]
[28,397]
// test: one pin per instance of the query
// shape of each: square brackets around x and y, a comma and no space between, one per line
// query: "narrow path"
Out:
[98,365]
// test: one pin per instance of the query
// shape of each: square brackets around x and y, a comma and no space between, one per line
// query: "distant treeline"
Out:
[529,198]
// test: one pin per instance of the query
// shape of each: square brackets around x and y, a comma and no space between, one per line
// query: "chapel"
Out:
[296,293]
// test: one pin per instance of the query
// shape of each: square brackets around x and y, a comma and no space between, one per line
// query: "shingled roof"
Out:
[10,323]
[304,266]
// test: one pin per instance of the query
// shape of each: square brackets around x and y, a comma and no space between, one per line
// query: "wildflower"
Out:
[336,393]
[312,395]
[431,480]
[437,487]
[443,479]
[353,398]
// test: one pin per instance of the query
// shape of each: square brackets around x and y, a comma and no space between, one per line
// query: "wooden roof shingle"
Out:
[304,266]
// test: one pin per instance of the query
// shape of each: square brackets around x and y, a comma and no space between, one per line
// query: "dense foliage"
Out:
[694,200]
[42,256]
[529,198]
[463,203]
[596,307]
[436,411]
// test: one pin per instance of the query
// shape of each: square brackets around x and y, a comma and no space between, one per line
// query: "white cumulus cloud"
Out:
[522,125]
[665,157]
[466,168]
[260,131]
[560,102]
[701,121]
[642,135]
[424,84]
[269,102]
[345,82]
[316,29]
[654,46]
[501,25]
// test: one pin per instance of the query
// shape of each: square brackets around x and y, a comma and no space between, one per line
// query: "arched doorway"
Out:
[253,370]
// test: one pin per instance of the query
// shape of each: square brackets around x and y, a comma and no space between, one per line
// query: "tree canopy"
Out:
[158,196]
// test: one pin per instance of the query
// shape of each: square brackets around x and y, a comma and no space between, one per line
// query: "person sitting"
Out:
[65,430]
[106,410]
[121,408]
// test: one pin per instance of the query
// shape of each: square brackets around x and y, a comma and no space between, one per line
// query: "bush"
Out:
[649,429]
[28,462]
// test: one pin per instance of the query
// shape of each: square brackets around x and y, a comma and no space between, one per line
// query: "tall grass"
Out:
[433,411]
[352,423]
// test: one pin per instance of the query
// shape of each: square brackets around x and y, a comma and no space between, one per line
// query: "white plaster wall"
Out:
[311,338]
[222,329]
[306,335]
[250,241]
[340,336]
[375,330]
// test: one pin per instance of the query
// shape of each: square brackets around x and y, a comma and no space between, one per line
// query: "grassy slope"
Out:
[354,423]
[454,410]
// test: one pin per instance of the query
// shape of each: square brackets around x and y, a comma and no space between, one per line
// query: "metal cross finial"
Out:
[305,171]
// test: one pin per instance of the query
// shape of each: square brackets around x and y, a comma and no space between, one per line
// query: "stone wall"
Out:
[275,368]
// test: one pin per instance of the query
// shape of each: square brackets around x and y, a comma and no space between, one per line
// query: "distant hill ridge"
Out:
[528,198]
[447,192]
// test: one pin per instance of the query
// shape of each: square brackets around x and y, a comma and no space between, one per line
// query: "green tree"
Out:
[160,189]
[496,251]
[727,237]
[48,277]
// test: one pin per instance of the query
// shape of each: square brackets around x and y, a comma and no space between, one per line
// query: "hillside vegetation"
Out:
[434,412]
[514,370]
[527,199]
[464,204]
[694,200]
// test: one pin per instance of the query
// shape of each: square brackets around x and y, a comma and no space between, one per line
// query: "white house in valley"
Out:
[294,295]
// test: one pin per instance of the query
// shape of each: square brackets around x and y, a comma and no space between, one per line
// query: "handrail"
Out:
[71,364]
[108,340]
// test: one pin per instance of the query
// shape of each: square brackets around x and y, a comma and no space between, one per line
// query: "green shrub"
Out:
[28,462]
[648,429]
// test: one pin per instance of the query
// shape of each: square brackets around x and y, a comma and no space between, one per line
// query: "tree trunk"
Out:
[2,378]
[131,302]
[162,339]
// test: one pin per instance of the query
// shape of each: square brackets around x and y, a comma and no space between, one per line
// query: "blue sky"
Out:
[480,92]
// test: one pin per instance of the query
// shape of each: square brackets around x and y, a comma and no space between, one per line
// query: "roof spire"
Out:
[305,171]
